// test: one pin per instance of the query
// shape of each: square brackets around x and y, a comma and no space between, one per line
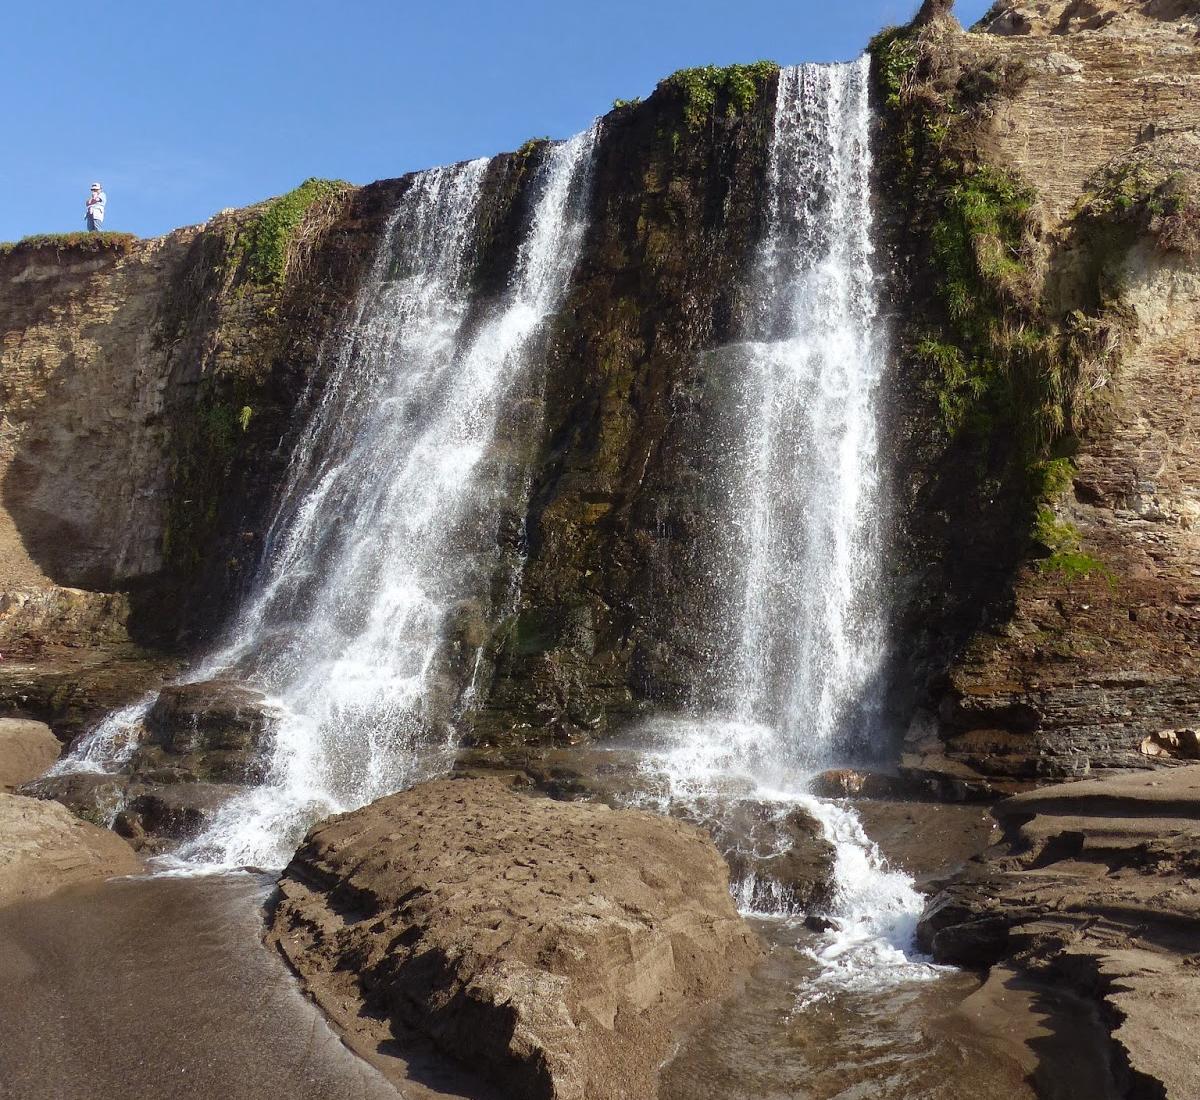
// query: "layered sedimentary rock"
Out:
[1044,629]
[554,948]
[1093,888]
[1048,489]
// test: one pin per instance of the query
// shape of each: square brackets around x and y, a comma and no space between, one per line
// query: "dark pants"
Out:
[93,225]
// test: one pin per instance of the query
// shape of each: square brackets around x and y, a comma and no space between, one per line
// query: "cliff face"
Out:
[1063,513]
[1038,185]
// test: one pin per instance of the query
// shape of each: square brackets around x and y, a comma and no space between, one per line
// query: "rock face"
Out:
[212,731]
[45,848]
[1053,622]
[553,947]
[1094,888]
[26,750]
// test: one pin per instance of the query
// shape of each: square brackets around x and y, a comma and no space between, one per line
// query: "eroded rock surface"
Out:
[1094,888]
[43,848]
[554,947]
[26,750]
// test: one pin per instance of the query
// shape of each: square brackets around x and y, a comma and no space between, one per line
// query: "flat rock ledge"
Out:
[554,949]
[43,847]
[1094,888]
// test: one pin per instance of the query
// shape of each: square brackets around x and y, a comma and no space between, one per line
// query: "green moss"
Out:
[1052,478]
[266,241]
[532,145]
[1074,565]
[1140,197]
[707,87]
[1063,556]
[120,243]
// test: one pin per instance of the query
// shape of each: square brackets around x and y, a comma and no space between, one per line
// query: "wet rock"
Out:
[1093,889]
[212,714]
[852,783]
[779,859]
[72,688]
[554,947]
[26,750]
[46,848]
[207,732]
[94,796]
[152,817]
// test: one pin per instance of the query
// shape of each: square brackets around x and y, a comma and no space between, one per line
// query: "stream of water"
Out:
[802,690]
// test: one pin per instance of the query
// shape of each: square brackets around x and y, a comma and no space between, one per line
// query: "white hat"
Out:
[95,187]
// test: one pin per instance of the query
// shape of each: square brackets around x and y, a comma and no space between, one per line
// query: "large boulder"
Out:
[211,714]
[554,947]
[43,847]
[26,750]
[209,732]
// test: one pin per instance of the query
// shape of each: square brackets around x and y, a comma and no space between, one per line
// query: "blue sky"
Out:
[182,109]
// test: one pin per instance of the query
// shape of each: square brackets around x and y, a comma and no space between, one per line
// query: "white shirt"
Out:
[95,205]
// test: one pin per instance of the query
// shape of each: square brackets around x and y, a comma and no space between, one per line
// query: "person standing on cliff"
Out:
[95,208]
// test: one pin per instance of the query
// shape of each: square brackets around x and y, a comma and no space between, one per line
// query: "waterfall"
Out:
[801,688]
[387,527]
[811,638]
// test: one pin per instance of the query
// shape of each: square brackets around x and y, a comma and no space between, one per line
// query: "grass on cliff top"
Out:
[269,238]
[84,242]
[703,87]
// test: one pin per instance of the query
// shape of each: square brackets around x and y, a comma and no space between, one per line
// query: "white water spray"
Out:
[802,689]
[386,530]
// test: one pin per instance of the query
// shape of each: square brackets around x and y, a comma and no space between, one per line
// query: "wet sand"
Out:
[161,988]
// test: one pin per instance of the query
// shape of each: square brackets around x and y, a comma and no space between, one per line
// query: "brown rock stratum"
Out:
[43,847]
[552,947]
[1095,890]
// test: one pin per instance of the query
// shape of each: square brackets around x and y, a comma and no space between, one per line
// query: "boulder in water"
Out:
[26,750]
[94,796]
[46,848]
[153,817]
[555,947]
[207,732]
[212,714]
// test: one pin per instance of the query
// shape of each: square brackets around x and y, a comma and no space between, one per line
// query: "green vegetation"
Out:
[74,242]
[530,146]
[1141,198]
[707,87]
[1065,558]
[244,417]
[267,240]
[619,103]
[1006,376]
[994,361]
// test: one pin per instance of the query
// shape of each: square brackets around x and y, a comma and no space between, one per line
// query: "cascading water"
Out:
[387,526]
[802,687]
